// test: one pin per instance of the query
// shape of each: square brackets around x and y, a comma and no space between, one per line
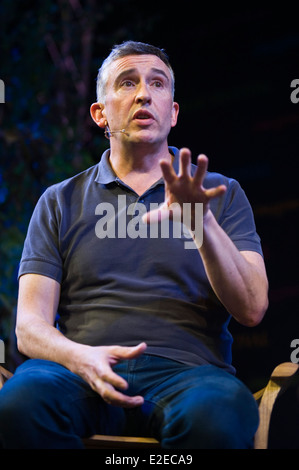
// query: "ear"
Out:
[175,112]
[97,112]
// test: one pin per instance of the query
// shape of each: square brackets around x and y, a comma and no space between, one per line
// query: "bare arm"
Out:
[238,278]
[38,338]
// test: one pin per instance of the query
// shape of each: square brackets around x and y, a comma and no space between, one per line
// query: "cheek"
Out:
[115,112]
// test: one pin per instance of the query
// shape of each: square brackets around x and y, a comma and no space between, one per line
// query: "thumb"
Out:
[128,352]
[136,351]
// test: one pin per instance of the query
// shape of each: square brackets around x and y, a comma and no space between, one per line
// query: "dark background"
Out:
[234,68]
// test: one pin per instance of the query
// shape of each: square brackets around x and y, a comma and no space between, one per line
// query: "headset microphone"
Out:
[108,133]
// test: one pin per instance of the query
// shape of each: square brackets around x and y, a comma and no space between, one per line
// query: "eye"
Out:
[158,84]
[127,83]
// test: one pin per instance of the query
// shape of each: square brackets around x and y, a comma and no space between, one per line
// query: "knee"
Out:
[213,420]
[225,422]
[25,407]
[26,394]
[18,398]
[16,404]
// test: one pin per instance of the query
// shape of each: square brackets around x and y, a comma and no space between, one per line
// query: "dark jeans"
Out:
[45,405]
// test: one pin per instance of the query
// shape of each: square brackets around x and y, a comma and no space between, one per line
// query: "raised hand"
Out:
[184,188]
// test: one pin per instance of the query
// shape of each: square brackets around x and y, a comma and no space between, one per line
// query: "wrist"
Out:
[74,357]
[207,217]
[207,229]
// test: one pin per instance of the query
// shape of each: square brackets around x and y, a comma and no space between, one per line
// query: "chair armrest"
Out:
[4,375]
[278,380]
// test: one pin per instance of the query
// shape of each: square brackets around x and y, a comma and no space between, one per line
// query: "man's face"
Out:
[139,99]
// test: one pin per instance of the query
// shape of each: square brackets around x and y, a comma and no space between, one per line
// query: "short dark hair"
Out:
[123,50]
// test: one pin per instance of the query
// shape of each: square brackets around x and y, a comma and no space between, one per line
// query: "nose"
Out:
[143,94]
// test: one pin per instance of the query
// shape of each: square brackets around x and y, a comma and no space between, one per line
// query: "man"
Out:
[141,345]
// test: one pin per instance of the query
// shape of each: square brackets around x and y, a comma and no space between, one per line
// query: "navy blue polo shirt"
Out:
[122,284]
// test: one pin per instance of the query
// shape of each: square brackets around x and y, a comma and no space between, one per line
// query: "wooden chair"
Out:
[99,441]
[4,375]
[265,399]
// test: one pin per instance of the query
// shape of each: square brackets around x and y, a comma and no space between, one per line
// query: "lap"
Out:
[44,395]
[176,396]
[201,399]
[38,379]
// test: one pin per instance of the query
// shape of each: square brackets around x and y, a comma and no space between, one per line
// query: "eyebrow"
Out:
[160,72]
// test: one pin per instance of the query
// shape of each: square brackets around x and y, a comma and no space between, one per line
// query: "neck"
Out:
[138,165]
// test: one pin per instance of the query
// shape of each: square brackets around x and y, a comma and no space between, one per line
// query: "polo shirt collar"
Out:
[106,175]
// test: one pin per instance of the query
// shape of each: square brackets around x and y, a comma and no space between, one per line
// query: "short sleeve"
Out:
[237,219]
[41,248]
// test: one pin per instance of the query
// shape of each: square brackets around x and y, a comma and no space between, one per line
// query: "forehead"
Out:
[142,64]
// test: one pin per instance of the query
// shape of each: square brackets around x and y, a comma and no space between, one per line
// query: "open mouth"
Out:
[143,115]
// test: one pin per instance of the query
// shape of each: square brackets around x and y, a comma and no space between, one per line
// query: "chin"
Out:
[147,137]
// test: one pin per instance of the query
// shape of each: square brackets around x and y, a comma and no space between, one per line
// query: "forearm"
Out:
[38,339]
[36,334]
[240,285]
